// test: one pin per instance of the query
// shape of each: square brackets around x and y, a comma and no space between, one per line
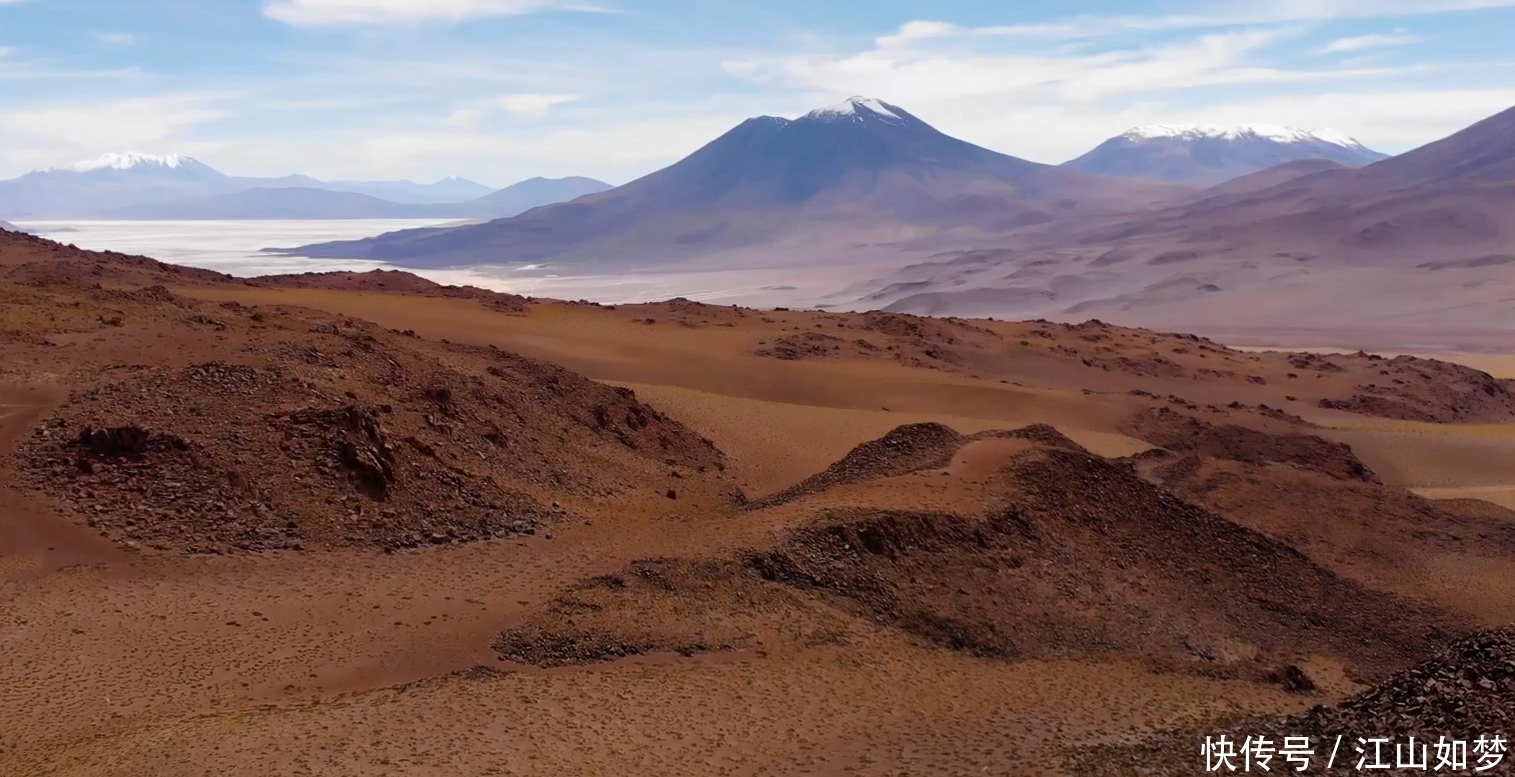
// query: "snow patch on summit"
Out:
[129,160]
[1332,136]
[852,107]
[1271,132]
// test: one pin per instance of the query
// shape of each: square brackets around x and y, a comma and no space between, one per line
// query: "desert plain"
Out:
[362,524]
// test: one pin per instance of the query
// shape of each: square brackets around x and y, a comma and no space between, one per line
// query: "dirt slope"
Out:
[944,598]
[283,428]
[1465,692]
[1050,552]
[1185,433]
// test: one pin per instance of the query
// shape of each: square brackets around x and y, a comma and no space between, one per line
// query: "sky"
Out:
[503,90]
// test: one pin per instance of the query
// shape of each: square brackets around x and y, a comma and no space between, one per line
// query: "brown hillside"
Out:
[1074,555]
[1465,691]
[1183,433]
[286,429]
[969,563]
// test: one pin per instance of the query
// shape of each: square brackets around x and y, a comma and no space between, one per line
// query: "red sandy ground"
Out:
[598,586]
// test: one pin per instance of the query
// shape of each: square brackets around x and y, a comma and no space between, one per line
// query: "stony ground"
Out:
[363,524]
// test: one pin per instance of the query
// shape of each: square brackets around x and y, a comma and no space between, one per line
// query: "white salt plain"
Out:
[235,248]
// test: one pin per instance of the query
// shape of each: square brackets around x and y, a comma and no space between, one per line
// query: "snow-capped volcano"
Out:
[858,109]
[113,180]
[129,160]
[836,174]
[1210,154]
[127,166]
[1272,132]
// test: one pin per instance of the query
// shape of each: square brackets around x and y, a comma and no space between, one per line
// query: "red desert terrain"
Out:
[363,524]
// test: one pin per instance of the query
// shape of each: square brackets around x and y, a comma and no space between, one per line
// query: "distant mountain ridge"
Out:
[1206,155]
[282,203]
[135,160]
[1273,176]
[173,186]
[452,189]
[530,193]
[305,202]
[841,171]
[1420,241]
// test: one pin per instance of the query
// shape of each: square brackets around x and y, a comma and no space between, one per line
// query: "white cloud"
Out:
[464,118]
[1014,78]
[1240,14]
[12,69]
[592,8]
[1386,119]
[315,13]
[742,68]
[68,132]
[915,31]
[116,38]
[533,106]
[1046,91]
[1365,42]
[623,148]
[1051,103]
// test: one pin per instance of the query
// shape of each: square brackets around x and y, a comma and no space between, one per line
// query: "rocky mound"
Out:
[1076,556]
[1183,433]
[913,341]
[1383,536]
[1477,509]
[947,331]
[817,345]
[394,282]
[814,345]
[37,261]
[676,606]
[905,449]
[1084,556]
[1412,389]
[1465,691]
[686,313]
[1139,353]
[1042,434]
[344,434]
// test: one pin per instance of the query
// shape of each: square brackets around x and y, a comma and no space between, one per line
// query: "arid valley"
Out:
[362,524]
[673,388]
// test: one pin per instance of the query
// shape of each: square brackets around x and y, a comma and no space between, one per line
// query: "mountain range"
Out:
[897,215]
[305,202]
[144,186]
[1423,241]
[860,171]
[1208,155]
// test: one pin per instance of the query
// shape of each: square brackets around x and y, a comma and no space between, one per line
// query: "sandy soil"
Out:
[351,661]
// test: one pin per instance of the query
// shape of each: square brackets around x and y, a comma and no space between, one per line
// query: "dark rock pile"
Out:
[1183,433]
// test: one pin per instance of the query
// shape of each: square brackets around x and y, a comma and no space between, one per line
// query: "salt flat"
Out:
[236,248]
[233,247]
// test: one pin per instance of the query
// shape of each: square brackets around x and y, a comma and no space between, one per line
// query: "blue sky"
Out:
[500,90]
